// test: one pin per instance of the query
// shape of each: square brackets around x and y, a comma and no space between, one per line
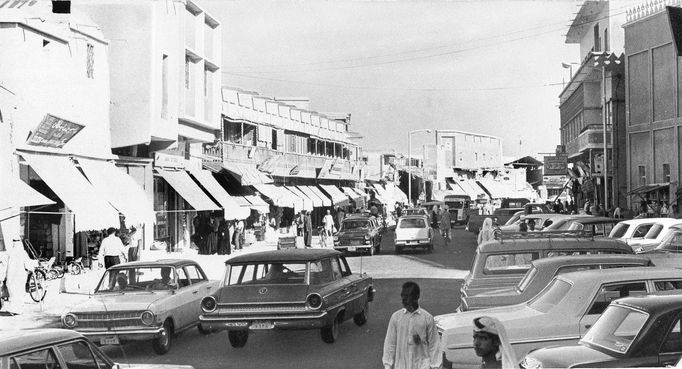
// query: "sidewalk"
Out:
[77,288]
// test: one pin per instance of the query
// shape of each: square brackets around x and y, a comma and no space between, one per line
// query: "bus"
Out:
[458,206]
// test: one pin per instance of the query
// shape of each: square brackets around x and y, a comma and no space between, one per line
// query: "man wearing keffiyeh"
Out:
[492,345]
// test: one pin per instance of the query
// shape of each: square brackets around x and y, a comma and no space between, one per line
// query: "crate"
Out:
[286,242]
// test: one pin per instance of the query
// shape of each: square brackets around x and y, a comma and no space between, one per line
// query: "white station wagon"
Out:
[413,231]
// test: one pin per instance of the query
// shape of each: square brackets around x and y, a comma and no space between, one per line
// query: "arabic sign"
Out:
[554,182]
[53,132]
[555,165]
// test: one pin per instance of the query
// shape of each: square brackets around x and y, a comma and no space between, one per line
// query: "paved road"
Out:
[357,347]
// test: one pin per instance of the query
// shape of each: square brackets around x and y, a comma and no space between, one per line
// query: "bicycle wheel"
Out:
[36,285]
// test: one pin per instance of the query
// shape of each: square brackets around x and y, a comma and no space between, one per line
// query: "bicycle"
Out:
[76,267]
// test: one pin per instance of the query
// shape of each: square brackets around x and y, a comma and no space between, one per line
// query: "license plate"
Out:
[262,325]
[351,248]
[236,324]
[109,340]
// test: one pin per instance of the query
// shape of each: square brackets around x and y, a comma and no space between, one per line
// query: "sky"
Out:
[490,67]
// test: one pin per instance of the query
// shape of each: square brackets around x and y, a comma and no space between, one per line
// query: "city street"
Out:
[357,347]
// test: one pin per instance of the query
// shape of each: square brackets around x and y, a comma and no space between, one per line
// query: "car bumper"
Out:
[352,248]
[226,322]
[132,334]
[418,243]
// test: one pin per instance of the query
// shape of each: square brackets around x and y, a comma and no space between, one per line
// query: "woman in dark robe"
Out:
[213,236]
[224,241]
[307,230]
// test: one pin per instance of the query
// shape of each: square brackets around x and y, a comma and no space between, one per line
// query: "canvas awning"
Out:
[257,203]
[360,192]
[91,209]
[338,197]
[227,202]
[317,202]
[246,174]
[307,202]
[17,193]
[350,193]
[120,190]
[326,200]
[649,188]
[188,189]
[469,186]
[279,197]
[397,193]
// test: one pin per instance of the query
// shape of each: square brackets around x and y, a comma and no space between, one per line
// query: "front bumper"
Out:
[263,322]
[123,334]
[414,243]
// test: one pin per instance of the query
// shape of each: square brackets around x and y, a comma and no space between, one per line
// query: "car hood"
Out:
[411,233]
[567,356]
[129,301]
[359,232]
[263,293]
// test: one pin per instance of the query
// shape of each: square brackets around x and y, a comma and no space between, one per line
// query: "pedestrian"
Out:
[340,214]
[300,220]
[398,210]
[224,241]
[328,222]
[435,217]
[412,340]
[237,236]
[492,345]
[112,251]
[664,210]
[307,229]
[487,232]
[523,227]
[213,237]
[445,224]
[673,212]
[133,244]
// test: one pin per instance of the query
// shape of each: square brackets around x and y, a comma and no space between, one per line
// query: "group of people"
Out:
[304,227]
[441,219]
[115,248]
[212,234]
[412,340]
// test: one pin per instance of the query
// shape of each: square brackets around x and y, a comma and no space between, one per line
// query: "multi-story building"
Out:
[471,151]
[653,101]
[592,105]
[165,101]
[54,108]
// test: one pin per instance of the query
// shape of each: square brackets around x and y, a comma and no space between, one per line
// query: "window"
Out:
[268,273]
[183,281]
[194,274]
[321,272]
[90,64]
[668,286]
[42,358]
[188,62]
[609,293]
[336,269]
[666,172]
[642,175]
[164,86]
[673,342]
[641,231]
[550,296]
[606,39]
[509,263]
[207,80]
[78,355]
[597,41]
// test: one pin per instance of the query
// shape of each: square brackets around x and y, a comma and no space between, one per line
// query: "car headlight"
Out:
[366,237]
[530,363]
[70,320]
[336,238]
[208,304]
[147,317]
[314,301]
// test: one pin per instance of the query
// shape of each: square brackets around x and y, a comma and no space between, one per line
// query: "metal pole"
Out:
[409,172]
[605,159]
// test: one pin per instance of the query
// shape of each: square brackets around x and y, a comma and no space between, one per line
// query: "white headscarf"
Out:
[493,326]
[487,232]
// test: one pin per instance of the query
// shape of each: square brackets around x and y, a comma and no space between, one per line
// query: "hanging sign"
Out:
[53,132]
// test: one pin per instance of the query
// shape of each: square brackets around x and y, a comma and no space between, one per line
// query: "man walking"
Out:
[411,339]
[307,229]
[112,249]
[445,224]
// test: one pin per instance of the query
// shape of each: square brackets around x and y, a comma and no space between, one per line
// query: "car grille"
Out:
[110,319]
[261,308]
[351,242]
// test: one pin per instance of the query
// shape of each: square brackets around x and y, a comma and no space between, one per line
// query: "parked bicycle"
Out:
[76,267]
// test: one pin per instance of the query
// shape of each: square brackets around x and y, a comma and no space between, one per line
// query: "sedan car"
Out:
[643,234]
[632,332]
[58,348]
[143,300]
[541,272]
[287,289]
[359,233]
[561,314]
[413,232]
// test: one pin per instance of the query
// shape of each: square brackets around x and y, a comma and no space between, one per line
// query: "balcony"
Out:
[591,137]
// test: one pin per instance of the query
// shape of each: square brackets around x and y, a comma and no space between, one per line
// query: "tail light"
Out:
[314,301]
[208,304]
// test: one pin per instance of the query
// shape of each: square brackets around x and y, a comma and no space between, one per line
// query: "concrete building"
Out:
[594,99]
[471,151]
[654,119]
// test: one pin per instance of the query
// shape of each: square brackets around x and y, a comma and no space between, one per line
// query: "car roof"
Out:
[156,263]
[19,340]
[549,243]
[284,255]
[595,220]
[559,261]
[664,221]
[356,216]
[590,276]
[655,303]
[413,216]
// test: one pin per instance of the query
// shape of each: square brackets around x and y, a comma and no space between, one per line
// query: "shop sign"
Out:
[295,170]
[53,132]
[555,165]
[554,182]
[168,161]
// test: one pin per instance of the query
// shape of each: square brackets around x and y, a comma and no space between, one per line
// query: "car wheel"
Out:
[162,343]
[238,338]
[361,317]
[331,332]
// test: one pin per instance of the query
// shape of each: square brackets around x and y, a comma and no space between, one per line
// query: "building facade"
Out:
[471,151]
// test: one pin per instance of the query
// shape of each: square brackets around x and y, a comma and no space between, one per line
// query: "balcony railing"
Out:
[648,8]
[591,137]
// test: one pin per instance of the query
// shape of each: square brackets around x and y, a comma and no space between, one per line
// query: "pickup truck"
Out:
[503,215]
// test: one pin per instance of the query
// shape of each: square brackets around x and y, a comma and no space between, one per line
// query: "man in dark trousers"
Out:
[307,229]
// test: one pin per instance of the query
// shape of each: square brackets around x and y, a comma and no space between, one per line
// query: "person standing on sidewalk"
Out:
[445,224]
[112,249]
[237,237]
[307,229]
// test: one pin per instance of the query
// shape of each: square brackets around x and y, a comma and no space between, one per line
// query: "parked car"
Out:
[562,223]
[503,215]
[541,220]
[633,332]
[359,234]
[644,234]
[596,226]
[58,348]
[669,252]
[413,232]
[143,301]
[541,272]
[504,261]
[560,314]
[287,289]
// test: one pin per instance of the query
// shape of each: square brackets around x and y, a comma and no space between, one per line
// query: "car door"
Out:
[332,287]
[357,285]
[671,347]
[182,300]
[603,297]
[200,287]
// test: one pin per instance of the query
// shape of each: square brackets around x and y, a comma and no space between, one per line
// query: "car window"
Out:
[525,281]
[336,269]
[619,230]
[552,295]
[512,263]
[641,230]
[671,242]
[616,328]
[654,231]
[77,355]
[412,223]
[345,270]
[321,272]
[554,253]
[43,359]
[673,341]
[130,279]
[668,285]
[606,294]
[195,275]
[183,280]
[355,224]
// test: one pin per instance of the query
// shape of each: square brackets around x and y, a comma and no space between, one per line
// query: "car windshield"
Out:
[550,296]
[654,231]
[266,273]
[412,223]
[514,219]
[525,281]
[139,278]
[616,329]
[672,242]
[355,224]
[619,230]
